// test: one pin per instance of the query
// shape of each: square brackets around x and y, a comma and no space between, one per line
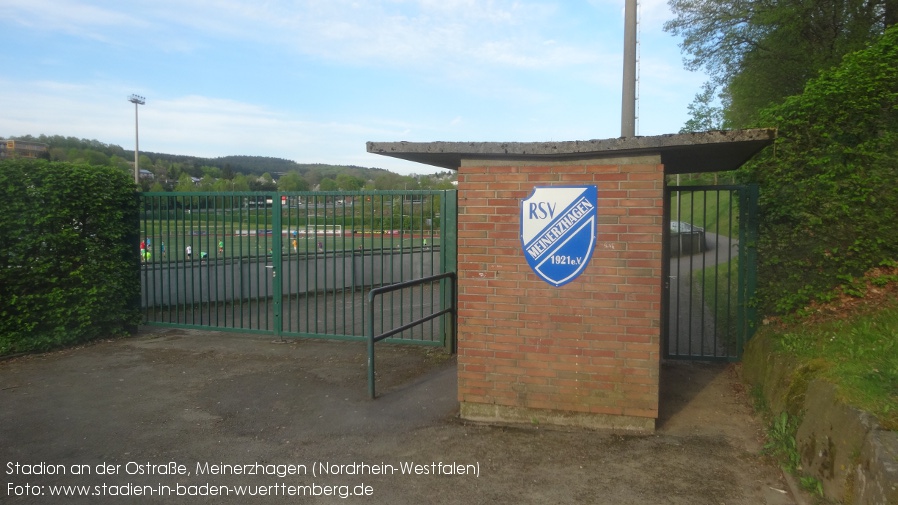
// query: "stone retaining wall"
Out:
[845,448]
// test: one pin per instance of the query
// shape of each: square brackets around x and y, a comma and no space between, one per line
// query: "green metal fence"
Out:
[296,264]
[711,275]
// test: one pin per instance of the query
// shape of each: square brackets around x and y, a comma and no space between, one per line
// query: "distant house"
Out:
[23,149]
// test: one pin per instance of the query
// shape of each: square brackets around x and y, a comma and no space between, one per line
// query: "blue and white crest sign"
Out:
[558,231]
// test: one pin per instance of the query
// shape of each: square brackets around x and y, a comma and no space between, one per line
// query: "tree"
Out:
[185,184]
[207,183]
[262,183]
[390,181]
[292,181]
[213,172]
[757,52]
[58,154]
[313,177]
[348,182]
[828,200]
[240,183]
[327,185]
[227,172]
[145,162]
[119,162]
[703,114]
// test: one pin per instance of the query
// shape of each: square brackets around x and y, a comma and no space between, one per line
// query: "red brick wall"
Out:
[586,353]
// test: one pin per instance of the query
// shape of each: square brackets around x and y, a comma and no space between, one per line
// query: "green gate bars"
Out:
[296,264]
[710,246]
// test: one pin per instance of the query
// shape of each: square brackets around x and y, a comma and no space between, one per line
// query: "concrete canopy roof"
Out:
[681,153]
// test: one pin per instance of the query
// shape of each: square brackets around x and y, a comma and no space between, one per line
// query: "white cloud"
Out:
[191,125]
[75,18]
[388,33]
[417,70]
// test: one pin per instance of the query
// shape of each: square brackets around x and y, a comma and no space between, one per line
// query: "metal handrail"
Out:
[394,287]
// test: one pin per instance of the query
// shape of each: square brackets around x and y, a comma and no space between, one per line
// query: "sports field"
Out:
[226,225]
[170,247]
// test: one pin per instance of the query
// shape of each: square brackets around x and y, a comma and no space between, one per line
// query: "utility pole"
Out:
[136,100]
[628,101]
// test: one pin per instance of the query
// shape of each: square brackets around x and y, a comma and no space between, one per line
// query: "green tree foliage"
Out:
[828,199]
[390,181]
[292,181]
[253,165]
[328,184]
[239,183]
[213,172]
[758,52]
[347,182]
[119,162]
[262,183]
[68,259]
[704,115]
[169,168]
[185,184]
[207,183]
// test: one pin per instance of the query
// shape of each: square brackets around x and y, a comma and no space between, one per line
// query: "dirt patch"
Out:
[191,398]
[865,295]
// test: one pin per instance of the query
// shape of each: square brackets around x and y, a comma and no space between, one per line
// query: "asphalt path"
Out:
[254,420]
[692,328]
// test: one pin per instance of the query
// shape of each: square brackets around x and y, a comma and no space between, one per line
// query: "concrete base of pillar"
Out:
[502,414]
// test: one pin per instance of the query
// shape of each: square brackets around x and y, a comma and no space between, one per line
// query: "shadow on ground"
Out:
[142,406]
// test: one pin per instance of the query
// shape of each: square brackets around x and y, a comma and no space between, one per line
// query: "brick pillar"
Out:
[583,354]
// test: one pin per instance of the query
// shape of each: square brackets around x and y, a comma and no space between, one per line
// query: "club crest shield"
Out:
[558,231]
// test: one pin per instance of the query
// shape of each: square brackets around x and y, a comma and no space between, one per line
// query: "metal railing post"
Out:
[277,290]
[371,296]
[393,287]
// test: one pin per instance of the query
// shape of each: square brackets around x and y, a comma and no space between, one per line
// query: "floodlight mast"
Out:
[628,97]
[136,100]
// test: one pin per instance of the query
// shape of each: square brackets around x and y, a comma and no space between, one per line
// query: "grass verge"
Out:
[854,346]
[713,210]
[720,284]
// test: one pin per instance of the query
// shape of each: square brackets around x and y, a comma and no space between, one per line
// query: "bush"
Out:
[828,198]
[69,266]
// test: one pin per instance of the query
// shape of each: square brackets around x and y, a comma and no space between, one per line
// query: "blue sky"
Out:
[313,80]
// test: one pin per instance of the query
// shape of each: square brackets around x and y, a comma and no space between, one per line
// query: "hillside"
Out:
[258,165]
[73,149]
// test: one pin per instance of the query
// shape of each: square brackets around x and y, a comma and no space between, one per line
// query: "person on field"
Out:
[189,252]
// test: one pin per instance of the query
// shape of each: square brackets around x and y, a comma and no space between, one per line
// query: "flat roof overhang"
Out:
[681,153]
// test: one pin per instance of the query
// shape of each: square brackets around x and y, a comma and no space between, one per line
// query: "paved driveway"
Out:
[123,417]
[692,329]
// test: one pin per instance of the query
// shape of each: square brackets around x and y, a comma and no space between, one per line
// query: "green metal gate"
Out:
[297,264]
[710,271]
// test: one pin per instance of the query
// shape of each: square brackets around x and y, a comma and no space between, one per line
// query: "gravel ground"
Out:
[120,419]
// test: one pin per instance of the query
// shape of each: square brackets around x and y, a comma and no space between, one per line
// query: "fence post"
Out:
[139,273]
[276,262]
[448,263]
[371,344]
[748,261]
